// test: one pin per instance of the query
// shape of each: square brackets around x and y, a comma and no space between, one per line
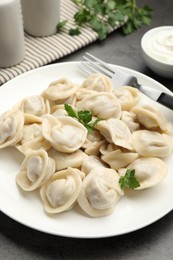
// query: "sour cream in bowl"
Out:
[157,50]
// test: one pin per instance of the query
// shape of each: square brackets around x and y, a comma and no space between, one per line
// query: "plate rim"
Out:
[131,71]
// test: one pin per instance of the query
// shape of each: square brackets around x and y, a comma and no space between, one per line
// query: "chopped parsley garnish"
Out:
[83,116]
[129,180]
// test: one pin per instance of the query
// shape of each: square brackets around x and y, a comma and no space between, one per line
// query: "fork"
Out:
[120,78]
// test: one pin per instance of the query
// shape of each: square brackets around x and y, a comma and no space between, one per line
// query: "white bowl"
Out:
[157,50]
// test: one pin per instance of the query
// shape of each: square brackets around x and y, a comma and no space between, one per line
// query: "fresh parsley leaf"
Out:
[94,122]
[91,125]
[129,180]
[102,29]
[103,15]
[111,5]
[60,25]
[74,31]
[136,17]
[88,127]
[70,111]
[81,16]
[83,116]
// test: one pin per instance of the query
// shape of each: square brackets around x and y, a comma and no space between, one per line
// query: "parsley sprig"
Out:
[137,17]
[103,15]
[83,116]
[129,180]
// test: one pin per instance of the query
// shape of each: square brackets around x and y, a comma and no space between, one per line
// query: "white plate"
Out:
[133,212]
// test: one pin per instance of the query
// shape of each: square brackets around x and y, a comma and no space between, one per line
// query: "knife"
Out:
[157,95]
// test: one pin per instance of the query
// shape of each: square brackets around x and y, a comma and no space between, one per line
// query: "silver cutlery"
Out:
[120,78]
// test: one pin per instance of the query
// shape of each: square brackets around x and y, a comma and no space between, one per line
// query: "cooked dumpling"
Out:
[150,143]
[58,110]
[32,139]
[35,105]
[65,160]
[91,162]
[117,158]
[70,100]
[83,92]
[36,169]
[33,108]
[61,191]
[103,105]
[93,142]
[149,171]
[60,89]
[92,137]
[152,118]
[127,97]
[115,131]
[64,133]
[130,119]
[100,192]
[11,127]
[98,82]
[108,148]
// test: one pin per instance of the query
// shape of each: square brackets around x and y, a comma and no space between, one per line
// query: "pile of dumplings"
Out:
[69,165]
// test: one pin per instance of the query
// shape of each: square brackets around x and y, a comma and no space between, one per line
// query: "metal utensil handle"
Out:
[166,100]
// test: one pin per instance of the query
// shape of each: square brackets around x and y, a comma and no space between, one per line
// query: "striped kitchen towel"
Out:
[40,51]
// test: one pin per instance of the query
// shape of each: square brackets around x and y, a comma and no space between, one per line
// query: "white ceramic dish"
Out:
[133,212]
[157,50]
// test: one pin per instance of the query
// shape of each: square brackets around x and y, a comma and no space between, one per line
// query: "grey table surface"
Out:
[152,242]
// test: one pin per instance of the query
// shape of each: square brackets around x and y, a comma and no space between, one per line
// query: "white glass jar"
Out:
[40,16]
[12,44]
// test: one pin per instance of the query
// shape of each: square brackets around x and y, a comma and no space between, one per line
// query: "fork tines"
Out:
[95,65]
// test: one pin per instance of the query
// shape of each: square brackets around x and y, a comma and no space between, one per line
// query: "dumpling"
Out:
[108,148]
[117,158]
[127,96]
[151,143]
[65,160]
[152,118]
[58,110]
[70,100]
[61,191]
[93,142]
[83,92]
[103,105]
[92,137]
[130,119]
[11,127]
[34,107]
[36,169]
[60,89]
[32,139]
[115,131]
[100,192]
[64,133]
[91,162]
[149,171]
[98,82]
